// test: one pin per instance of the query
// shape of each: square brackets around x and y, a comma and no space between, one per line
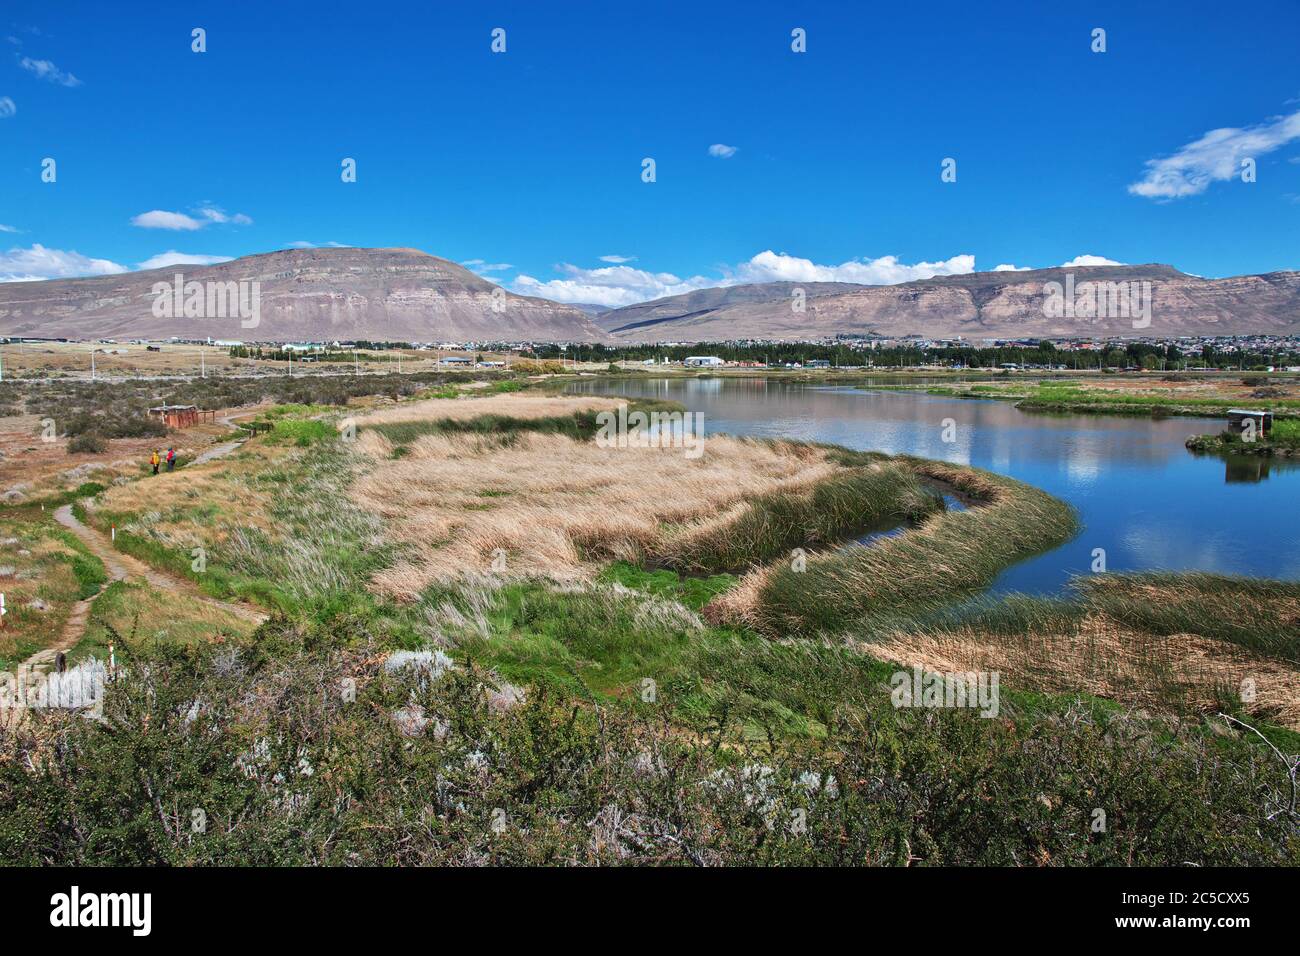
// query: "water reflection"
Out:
[1141,496]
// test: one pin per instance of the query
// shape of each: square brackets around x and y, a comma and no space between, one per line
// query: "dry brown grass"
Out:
[165,502]
[462,409]
[1109,660]
[549,501]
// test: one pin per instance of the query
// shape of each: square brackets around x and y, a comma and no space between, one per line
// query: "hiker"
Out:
[171,459]
[154,461]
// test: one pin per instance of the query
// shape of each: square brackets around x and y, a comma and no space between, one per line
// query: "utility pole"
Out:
[92,363]
[203,363]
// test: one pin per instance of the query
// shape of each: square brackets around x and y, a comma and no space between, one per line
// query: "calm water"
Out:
[1141,496]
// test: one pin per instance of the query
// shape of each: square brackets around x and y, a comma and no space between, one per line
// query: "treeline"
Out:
[1046,354]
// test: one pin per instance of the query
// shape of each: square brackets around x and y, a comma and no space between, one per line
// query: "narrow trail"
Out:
[122,566]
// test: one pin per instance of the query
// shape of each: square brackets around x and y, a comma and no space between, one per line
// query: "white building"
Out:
[703,361]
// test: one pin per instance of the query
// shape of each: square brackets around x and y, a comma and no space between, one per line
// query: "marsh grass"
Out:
[1187,642]
[556,506]
[772,525]
[952,555]
[1257,614]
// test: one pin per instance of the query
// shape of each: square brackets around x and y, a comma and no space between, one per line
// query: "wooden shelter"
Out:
[182,416]
[1238,417]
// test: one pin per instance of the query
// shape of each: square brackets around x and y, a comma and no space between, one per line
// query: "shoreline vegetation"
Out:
[492,641]
[1103,397]
[1282,441]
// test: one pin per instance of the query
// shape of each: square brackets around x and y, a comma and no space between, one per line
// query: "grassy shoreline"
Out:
[623,688]
[1060,398]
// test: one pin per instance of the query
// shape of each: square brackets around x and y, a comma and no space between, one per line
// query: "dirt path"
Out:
[122,567]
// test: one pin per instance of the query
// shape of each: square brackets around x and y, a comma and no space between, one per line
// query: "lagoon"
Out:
[1142,497]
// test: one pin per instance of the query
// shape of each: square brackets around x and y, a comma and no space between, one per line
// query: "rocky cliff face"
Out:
[984,305]
[304,295]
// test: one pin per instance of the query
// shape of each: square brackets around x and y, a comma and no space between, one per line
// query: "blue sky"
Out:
[532,158]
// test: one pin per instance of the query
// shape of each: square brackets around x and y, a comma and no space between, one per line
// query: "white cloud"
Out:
[617,260]
[4,228]
[611,286]
[213,214]
[304,244]
[1216,156]
[722,151]
[1086,260]
[769,266]
[38,262]
[174,258]
[179,221]
[620,285]
[46,70]
[482,267]
[161,219]
[7,107]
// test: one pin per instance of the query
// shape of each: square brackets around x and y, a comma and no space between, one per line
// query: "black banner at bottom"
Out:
[335,906]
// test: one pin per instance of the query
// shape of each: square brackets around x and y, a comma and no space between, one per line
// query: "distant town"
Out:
[1260,353]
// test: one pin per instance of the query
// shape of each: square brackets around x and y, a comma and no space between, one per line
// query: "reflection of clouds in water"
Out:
[1132,480]
[1154,547]
[1082,465]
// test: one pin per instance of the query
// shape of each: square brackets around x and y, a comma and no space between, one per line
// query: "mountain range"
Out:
[407,295]
[978,305]
[313,295]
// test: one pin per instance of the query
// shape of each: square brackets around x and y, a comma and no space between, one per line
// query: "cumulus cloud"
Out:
[722,151]
[1086,260]
[38,262]
[769,266]
[181,222]
[611,286]
[619,285]
[7,107]
[174,258]
[161,219]
[1216,156]
[46,70]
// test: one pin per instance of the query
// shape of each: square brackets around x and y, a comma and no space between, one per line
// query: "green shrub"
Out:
[86,442]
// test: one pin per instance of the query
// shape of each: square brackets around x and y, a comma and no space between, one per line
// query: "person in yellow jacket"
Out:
[154,461]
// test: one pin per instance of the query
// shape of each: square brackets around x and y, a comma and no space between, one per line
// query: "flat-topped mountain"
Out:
[304,295]
[979,305]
